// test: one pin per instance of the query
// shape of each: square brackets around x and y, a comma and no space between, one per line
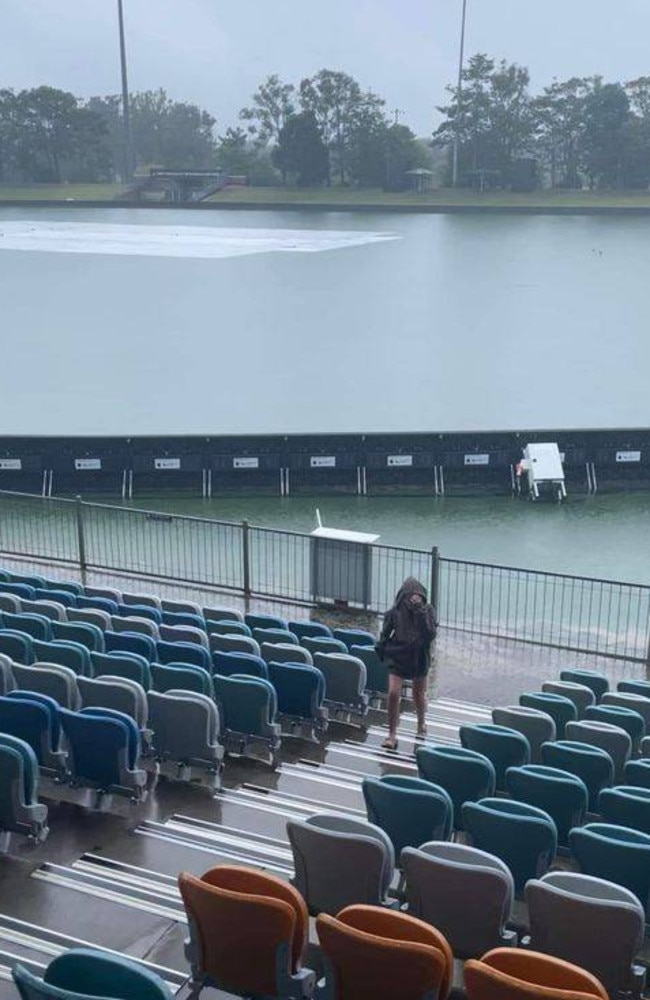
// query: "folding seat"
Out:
[372,953]
[67,654]
[90,636]
[561,709]
[51,679]
[465,775]
[236,914]
[131,642]
[222,614]
[118,664]
[581,695]
[143,600]
[184,618]
[598,683]
[354,637]
[645,746]
[323,644]
[503,746]
[183,652]
[186,730]
[521,835]
[11,603]
[635,702]
[226,626]
[300,691]
[181,676]
[104,750]
[33,717]
[466,893]
[18,646]
[38,626]
[85,972]
[624,718]
[72,586]
[248,710]
[634,687]
[626,805]
[107,593]
[91,616]
[181,607]
[515,974]
[376,670]
[48,609]
[141,626]
[20,810]
[29,580]
[275,635]
[284,652]
[264,621]
[98,603]
[592,923]
[562,795]
[307,629]
[118,693]
[612,739]
[234,644]
[410,810]
[538,727]
[345,682]
[7,682]
[139,611]
[63,597]
[339,860]
[637,772]
[247,664]
[615,853]
[21,590]
[184,634]
[594,766]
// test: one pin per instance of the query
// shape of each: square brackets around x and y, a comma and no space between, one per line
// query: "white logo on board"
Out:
[167,463]
[322,461]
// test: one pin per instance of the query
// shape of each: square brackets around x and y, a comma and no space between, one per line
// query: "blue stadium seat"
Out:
[561,709]
[503,746]
[309,630]
[19,590]
[248,710]
[264,621]
[228,664]
[83,972]
[84,633]
[300,690]
[410,810]
[31,580]
[181,677]
[63,597]
[617,854]
[33,717]
[140,611]
[38,626]
[18,646]
[131,642]
[128,665]
[354,637]
[593,765]
[561,794]
[20,810]
[520,834]
[590,678]
[185,652]
[637,772]
[466,775]
[183,618]
[66,654]
[70,585]
[99,603]
[626,805]
[104,751]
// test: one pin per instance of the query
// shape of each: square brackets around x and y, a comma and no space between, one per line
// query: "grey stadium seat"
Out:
[536,726]
[118,693]
[52,679]
[186,729]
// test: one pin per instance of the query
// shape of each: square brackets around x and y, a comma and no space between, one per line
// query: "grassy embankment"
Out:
[339,197]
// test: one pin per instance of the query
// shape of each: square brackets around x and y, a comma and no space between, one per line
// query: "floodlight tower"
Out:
[459,93]
[126,115]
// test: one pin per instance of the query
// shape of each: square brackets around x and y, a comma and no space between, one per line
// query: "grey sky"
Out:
[215,52]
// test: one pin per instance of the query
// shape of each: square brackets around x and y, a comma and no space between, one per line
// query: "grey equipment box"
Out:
[341,565]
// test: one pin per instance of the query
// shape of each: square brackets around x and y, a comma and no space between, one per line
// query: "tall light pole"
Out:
[459,94]
[126,114]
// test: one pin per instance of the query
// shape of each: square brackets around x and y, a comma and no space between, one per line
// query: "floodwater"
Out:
[128,322]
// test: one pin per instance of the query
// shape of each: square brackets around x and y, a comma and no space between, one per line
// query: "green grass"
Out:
[60,192]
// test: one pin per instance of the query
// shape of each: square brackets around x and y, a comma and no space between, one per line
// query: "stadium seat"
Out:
[72,586]
[591,764]
[274,635]
[561,794]
[131,642]
[521,835]
[233,909]
[466,893]
[181,677]
[300,690]
[83,973]
[345,682]
[354,637]
[371,953]
[612,739]
[306,629]
[11,603]
[561,709]
[617,854]
[589,678]
[181,607]
[592,923]
[228,664]
[49,609]
[63,597]
[51,679]
[21,590]
[626,805]
[624,718]
[152,615]
[30,580]
[634,687]
[234,644]
[107,593]
[538,727]
[185,618]
[222,614]
[503,746]
[631,700]
[87,635]
[339,860]
[7,681]
[67,654]
[142,600]
[99,604]
[248,709]
[139,626]
[33,717]
[91,616]
[118,693]
[515,974]
[186,730]
[35,625]
[637,772]
[581,695]
[465,775]
[227,626]
[20,810]
[410,810]
[104,750]
[18,646]
[323,644]
[285,652]
[264,621]
[183,652]
[118,664]
[184,634]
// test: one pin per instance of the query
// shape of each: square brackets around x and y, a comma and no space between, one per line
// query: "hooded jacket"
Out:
[408,629]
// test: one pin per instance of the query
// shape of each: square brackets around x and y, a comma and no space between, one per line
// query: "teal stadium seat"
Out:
[590,678]
[228,664]
[20,810]
[84,973]
[87,635]
[309,630]
[66,654]
[561,709]
[354,637]
[300,691]
[626,805]
[562,795]
[181,677]
[118,664]
[38,626]
[248,710]
[104,750]
[505,747]
[615,853]
[467,776]
[593,765]
[410,810]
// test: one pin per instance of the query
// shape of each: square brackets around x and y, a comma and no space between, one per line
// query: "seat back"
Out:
[222,614]
[442,877]
[9,602]
[183,652]
[612,739]
[615,853]
[524,837]
[503,746]
[264,621]
[247,705]
[67,654]
[514,974]
[538,727]
[107,593]
[90,616]
[132,624]
[98,603]
[561,709]
[118,693]
[354,637]
[36,625]
[18,646]
[129,665]
[182,677]
[153,615]
[274,635]
[228,664]
[339,860]
[561,794]
[345,678]
[142,600]
[131,642]
[184,634]
[226,626]
[20,811]
[90,636]
[51,679]
[86,972]
[376,669]
[637,772]
[100,746]
[284,652]
[7,682]
[32,717]
[598,683]
[624,718]
[48,609]
[300,690]
[466,775]
[636,702]
[626,805]
[323,644]
[233,644]
[581,695]
[309,630]
[64,597]
[185,725]
[410,810]
[634,687]
[591,764]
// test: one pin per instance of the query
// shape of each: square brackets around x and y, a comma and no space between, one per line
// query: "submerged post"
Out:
[81,539]
[246,558]
[435,579]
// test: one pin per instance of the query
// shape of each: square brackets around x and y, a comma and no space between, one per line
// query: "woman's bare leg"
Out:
[394,698]
[420,700]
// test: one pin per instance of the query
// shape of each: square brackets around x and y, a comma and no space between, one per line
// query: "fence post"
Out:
[81,539]
[435,580]
[246,557]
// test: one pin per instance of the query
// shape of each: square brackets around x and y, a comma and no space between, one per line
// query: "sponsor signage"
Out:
[477,459]
[82,464]
[628,456]
[245,463]
[399,460]
[166,463]
[322,461]
[11,464]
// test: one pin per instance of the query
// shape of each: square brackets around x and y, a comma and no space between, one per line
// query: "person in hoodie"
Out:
[405,645]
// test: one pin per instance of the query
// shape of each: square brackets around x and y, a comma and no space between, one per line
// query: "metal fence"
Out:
[550,609]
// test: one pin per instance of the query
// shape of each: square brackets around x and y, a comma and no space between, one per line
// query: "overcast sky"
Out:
[215,52]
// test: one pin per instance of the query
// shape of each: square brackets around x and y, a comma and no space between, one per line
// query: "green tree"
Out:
[301,152]
[560,116]
[382,156]
[272,105]
[607,111]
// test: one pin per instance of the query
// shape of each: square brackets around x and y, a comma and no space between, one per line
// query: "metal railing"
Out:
[576,613]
